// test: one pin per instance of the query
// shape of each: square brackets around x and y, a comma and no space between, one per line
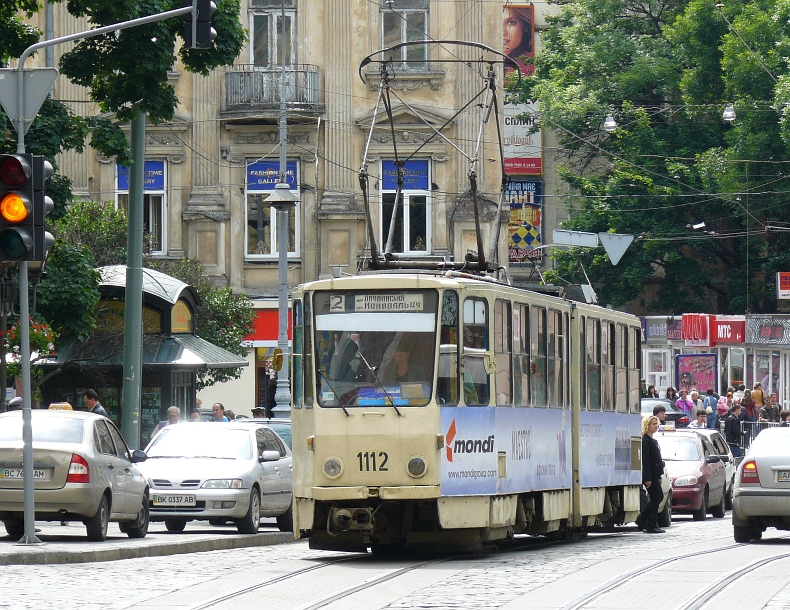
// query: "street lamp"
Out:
[283,201]
[609,125]
[729,114]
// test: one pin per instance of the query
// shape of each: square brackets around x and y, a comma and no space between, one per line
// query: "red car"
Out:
[697,472]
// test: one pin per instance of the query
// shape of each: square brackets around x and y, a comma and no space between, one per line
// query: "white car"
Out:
[762,486]
[725,453]
[222,472]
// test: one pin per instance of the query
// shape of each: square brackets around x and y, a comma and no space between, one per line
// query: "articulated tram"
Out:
[446,410]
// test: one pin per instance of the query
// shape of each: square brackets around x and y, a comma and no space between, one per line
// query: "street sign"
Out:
[37,82]
[575,238]
[615,245]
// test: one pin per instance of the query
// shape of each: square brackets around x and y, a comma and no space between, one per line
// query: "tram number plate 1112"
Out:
[372,461]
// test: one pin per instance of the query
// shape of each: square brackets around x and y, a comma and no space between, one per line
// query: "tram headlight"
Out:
[416,467]
[333,467]
[685,481]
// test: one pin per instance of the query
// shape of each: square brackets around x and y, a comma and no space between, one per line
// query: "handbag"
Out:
[644,499]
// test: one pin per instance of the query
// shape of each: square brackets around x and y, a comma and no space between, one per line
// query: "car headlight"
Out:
[416,467]
[685,481]
[333,467]
[223,484]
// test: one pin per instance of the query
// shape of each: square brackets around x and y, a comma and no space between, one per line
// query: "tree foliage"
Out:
[666,70]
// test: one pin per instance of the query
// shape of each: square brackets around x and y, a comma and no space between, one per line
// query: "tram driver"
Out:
[401,369]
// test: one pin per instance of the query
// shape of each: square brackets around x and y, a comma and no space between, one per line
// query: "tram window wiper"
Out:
[372,370]
[342,406]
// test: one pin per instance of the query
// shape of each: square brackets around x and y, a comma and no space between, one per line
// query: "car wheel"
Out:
[757,532]
[665,517]
[719,510]
[728,499]
[15,528]
[175,525]
[285,522]
[742,533]
[249,523]
[217,522]
[702,513]
[97,525]
[139,527]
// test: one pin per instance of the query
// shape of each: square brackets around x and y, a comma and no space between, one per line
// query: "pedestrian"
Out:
[652,392]
[738,394]
[732,430]
[660,411]
[644,388]
[173,417]
[672,394]
[770,412]
[195,416]
[685,404]
[694,396]
[91,401]
[652,471]
[259,413]
[218,412]
[758,396]
[785,417]
[230,415]
[701,421]
[710,402]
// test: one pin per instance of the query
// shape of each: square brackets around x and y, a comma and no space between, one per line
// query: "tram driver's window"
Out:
[476,379]
[447,378]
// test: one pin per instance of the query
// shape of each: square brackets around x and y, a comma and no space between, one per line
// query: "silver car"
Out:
[222,472]
[762,486]
[82,471]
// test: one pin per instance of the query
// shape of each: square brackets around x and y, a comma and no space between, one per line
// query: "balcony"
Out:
[256,90]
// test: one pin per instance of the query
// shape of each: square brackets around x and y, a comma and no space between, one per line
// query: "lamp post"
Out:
[283,201]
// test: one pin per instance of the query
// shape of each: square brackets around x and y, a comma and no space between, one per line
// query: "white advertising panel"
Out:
[605,442]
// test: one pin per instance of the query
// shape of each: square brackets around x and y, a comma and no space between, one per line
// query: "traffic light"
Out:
[42,205]
[198,32]
[16,208]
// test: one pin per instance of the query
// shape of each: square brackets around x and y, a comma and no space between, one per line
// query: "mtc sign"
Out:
[704,330]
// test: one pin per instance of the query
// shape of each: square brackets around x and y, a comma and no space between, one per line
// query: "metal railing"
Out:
[751,430]
[250,87]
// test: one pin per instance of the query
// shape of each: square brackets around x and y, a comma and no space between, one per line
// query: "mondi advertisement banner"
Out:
[491,450]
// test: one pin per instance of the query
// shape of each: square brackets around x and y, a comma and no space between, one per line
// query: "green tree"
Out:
[666,70]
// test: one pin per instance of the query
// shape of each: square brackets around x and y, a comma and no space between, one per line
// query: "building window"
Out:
[405,21]
[266,32]
[412,229]
[154,203]
[261,234]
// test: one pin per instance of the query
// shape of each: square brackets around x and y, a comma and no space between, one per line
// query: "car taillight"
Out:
[683,419]
[749,473]
[79,472]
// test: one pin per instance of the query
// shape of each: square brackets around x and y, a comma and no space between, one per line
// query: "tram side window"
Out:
[582,368]
[566,365]
[634,368]
[447,378]
[592,342]
[607,366]
[309,383]
[520,355]
[538,353]
[502,350]
[298,362]
[621,370]
[476,379]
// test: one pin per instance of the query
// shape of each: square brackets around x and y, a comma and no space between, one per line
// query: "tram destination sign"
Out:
[388,302]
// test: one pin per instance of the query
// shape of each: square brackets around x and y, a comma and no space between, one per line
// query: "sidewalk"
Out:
[68,544]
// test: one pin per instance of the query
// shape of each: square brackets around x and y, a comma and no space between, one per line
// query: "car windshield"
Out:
[45,429]
[375,348]
[201,441]
[679,449]
[283,431]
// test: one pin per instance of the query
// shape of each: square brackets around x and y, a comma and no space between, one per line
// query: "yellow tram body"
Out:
[445,410]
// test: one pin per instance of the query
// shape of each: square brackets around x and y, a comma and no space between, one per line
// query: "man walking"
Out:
[91,401]
[733,431]
[173,417]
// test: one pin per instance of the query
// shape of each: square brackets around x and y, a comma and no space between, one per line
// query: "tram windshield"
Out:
[375,348]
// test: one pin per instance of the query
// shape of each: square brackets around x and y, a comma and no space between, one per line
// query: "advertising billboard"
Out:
[525,238]
[696,371]
[518,34]
[523,144]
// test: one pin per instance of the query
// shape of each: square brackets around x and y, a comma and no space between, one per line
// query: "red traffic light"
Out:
[14,170]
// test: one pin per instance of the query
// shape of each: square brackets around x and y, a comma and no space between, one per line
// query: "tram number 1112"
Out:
[367,461]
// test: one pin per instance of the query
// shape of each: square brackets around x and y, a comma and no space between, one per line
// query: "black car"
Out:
[674,415]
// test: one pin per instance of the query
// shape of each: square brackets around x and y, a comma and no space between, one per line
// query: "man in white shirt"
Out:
[701,421]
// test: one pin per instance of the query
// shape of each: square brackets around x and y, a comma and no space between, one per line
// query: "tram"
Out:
[448,409]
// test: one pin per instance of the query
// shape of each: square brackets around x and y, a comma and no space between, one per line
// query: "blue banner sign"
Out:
[154,178]
[263,175]
[415,176]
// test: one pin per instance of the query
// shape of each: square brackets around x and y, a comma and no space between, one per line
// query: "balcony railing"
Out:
[249,87]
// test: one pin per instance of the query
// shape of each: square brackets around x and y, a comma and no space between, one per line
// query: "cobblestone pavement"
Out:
[535,576]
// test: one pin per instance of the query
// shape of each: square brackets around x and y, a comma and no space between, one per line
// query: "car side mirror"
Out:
[725,458]
[138,456]
[270,456]
[713,459]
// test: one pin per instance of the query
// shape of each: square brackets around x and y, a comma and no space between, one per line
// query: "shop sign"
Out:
[768,330]
[660,329]
[696,329]
[783,285]
[726,329]
[675,329]
[153,178]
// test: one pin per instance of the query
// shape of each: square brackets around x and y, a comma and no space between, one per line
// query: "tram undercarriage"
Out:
[462,523]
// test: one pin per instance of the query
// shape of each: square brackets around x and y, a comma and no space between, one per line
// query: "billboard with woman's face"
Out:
[518,29]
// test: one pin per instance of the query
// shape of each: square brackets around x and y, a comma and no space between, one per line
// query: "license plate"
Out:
[17,474]
[174,500]
[784,476]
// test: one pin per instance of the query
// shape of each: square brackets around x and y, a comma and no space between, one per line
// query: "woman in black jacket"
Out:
[652,471]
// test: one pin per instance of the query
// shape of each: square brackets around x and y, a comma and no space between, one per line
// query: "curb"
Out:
[42,556]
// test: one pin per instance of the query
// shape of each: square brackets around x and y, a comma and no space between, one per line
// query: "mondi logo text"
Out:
[453,446]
